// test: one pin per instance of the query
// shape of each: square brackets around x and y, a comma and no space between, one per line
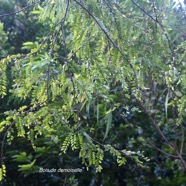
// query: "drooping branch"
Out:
[170,155]
[104,31]
[161,26]
[66,11]
[155,20]
[171,145]
[110,39]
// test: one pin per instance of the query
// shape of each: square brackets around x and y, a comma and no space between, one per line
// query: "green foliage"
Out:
[3,40]
[3,76]
[26,166]
[3,65]
[96,81]
[2,172]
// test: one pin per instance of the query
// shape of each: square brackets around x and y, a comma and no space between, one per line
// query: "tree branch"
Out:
[3,141]
[161,134]
[155,20]
[23,9]
[109,38]
[97,22]
[161,26]
[170,155]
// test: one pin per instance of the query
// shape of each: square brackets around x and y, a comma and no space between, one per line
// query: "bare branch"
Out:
[155,20]
[170,155]
[66,11]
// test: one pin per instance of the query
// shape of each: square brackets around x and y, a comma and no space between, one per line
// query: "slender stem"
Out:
[170,155]
[171,145]
[182,139]
[22,9]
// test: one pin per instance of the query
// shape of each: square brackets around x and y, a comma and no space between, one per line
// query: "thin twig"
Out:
[23,9]
[3,141]
[171,145]
[66,11]
[170,155]
[145,11]
[182,139]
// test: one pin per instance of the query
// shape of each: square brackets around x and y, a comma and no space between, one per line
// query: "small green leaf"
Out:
[109,122]
[22,157]
[26,166]
[178,93]
[1,174]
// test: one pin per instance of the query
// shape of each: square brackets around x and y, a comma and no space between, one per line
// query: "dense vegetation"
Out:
[98,86]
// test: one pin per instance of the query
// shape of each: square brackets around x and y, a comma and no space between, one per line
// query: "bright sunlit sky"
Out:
[181,1]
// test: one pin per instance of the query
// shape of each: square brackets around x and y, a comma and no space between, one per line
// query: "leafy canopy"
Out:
[93,64]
